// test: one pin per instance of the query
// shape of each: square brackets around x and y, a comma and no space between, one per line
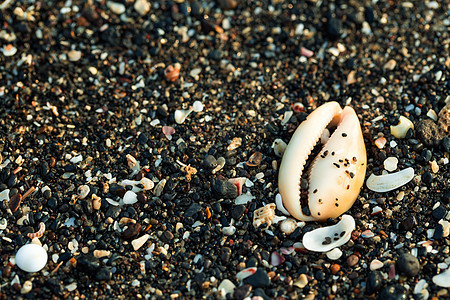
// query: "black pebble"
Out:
[113,212]
[192,210]
[259,292]
[334,28]
[259,279]
[408,223]
[446,144]
[369,14]
[54,285]
[103,274]
[394,292]
[225,254]
[439,212]
[238,212]
[242,292]
[224,189]
[427,178]
[374,282]
[88,263]
[167,236]
[408,264]
[438,232]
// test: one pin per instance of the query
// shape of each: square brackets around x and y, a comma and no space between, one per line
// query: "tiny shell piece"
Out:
[3,224]
[83,191]
[96,202]
[39,233]
[380,142]
[130,198]
[288,226]
[444,118]
[263,215]
[390,163]
[376,264]
[278,147]
[139,242]
[327,238]
[235,143]
[389,182]
[442,279]
[401,129]
[246,273]
[276,259]
[9,50]
[172,72]
[26,287]
[160,187]
[31,258]
[280,205]
[180,115]
[101,253]
[302,281]
[334,254]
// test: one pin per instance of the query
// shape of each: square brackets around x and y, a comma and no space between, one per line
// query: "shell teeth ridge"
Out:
[327,119]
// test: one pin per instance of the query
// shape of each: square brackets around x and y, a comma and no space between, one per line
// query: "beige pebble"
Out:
[302,281]
[400,196]
[434,166]
[390,65]
[74,55]
[101,253]
[375,265]
[85,250]
[109,220]
[142,7]
[96,202]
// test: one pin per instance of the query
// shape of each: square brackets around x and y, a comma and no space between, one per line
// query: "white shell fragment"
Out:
[288,226]
[327,238]
[181,115]
[130,198]
[401,129]
[390,163]
[139,242]
[280,206]
[389,182]
[442,279]
[4,195]
[31,258]
[334,254]
[278,147]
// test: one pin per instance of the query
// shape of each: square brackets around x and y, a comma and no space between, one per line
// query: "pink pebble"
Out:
[306,52]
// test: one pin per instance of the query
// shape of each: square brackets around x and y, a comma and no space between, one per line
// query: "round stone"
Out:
[408,264]
[31,258]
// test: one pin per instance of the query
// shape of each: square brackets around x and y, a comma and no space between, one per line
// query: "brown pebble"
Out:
[141,197]
[52,162]
[255,159]
[14,202]
[352,260]
[6,271]
[335,268]
[131,231]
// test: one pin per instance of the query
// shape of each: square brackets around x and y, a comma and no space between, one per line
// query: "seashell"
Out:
[147,183]
[443,279]
[401,129]
[130,197]
[229,230]
[31,258]
[181,115]
[276,259]
[239,183]
[83,191]
[172,72]
[279,146]
[244,198]
[335,175]
[26,287]
[327,238]
[160,187]
[255,159]
[246,273]
[9,50]
[389,182]
[280,205]
[334,254]
[220,164]
[39,233]
[288,226]
[264,215]
[287,251]
[298,107]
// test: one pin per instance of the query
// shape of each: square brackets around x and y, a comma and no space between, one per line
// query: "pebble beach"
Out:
[141,141]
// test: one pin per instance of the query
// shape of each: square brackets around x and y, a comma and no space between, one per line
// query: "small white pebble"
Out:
[197,106]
